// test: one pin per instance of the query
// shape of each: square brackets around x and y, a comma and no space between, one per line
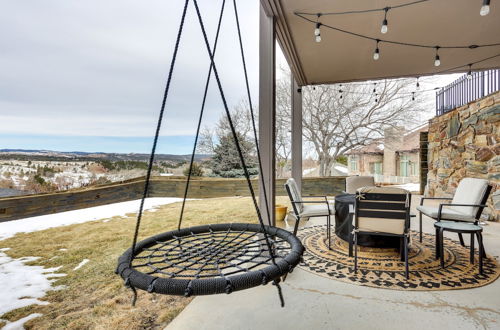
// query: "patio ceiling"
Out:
[341,57]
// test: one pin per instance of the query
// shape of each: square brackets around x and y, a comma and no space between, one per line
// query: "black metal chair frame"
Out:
[297,213]
[404,238]
[440,210]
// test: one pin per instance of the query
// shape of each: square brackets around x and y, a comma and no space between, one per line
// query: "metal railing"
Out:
[467,89]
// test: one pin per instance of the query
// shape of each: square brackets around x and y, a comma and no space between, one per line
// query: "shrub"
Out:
[196,170]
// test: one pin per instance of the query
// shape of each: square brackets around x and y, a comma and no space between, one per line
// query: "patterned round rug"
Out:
[382,268]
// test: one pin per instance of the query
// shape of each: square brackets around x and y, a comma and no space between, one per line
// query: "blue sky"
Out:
[167,144]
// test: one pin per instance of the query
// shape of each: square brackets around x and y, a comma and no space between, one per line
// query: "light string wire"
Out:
[400,43]
[365,10]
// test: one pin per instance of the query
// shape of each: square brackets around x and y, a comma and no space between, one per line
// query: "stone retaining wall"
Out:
[466,143]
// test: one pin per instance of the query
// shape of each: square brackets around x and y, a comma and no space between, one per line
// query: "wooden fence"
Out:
[12,208]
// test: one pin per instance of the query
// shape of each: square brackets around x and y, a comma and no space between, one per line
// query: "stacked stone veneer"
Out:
[465,142]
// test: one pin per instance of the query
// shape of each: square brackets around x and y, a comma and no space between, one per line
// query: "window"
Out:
[353,162]
[404,165]
[377,168]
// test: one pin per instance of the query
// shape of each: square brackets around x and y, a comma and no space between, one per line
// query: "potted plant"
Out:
[281,212]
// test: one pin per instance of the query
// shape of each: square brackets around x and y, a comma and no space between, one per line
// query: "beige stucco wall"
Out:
[466,143]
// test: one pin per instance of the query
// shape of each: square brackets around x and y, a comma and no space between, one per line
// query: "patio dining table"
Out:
[342,228]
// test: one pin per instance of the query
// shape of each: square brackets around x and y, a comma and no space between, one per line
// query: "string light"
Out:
[376,54]
[469,73]
[437,61]
[413,96]
[485,8]
[374,88]
[384,22]
[418,84]
[317,31]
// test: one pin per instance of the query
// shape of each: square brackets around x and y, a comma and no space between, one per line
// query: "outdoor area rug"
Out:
[382,268]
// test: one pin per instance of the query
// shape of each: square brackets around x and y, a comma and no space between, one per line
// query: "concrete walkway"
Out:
[314,302]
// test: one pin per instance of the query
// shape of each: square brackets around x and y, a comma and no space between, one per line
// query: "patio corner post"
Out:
[296,132]
[267,111]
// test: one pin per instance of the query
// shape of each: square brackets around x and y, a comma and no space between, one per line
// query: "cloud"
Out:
[99,67]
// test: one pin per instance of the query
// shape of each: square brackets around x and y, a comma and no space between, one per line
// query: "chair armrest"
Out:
[467,205]
[312,196]
[315,202]
[442,198]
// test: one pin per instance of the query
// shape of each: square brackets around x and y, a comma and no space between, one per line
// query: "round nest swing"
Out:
[209,259]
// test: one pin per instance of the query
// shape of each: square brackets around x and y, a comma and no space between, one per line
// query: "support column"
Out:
[296,133]
[267,114]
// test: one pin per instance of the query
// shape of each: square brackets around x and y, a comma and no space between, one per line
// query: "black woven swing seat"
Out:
[210,259]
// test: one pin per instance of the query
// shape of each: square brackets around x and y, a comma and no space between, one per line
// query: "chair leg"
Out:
[328,225]
[481,248]
[401,249]
[356,252]
[441,247]
[407,273]
[420,222]
[438,244]
[461,238]
[296,225]
[472,248]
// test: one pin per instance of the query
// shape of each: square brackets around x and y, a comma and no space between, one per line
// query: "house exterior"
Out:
[395,158]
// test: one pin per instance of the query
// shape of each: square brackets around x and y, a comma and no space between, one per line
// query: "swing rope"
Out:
[200,119]
[207,259]
[157,133]
[238,147]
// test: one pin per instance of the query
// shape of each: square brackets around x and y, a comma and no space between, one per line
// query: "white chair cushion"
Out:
[314,210]
[469,191]
[353,183]
[296,195]
[392,226]
[449,213]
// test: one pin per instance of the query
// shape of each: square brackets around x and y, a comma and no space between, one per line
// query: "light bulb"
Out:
[376,55]
[317,31]
[384,27]
[318,38]
[485,9]
[469,75]
[437,61]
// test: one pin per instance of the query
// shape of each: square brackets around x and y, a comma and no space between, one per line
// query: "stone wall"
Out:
[466,143]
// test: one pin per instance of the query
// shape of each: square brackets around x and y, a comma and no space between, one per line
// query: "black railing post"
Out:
[464,90]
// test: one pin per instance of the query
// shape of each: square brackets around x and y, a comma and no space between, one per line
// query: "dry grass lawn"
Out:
[93,297]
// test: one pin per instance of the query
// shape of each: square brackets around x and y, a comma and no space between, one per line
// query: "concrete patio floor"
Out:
[314,302]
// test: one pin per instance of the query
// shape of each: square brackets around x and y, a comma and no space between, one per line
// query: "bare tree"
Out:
[283,125]
[338,118]
[242,120]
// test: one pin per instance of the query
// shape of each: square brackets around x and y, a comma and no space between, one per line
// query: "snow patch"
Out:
[411,187]
[19,323]
[28,225]
[23,285]
[81,264]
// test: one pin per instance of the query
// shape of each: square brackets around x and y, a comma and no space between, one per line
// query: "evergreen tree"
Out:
[226,161]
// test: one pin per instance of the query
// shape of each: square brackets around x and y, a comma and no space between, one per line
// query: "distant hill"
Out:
[50,155]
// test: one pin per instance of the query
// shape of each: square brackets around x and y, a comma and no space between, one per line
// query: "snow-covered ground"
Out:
[24,285]
[27,225]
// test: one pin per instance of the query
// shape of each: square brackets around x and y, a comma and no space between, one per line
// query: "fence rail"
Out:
[467,88]
[12,208]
